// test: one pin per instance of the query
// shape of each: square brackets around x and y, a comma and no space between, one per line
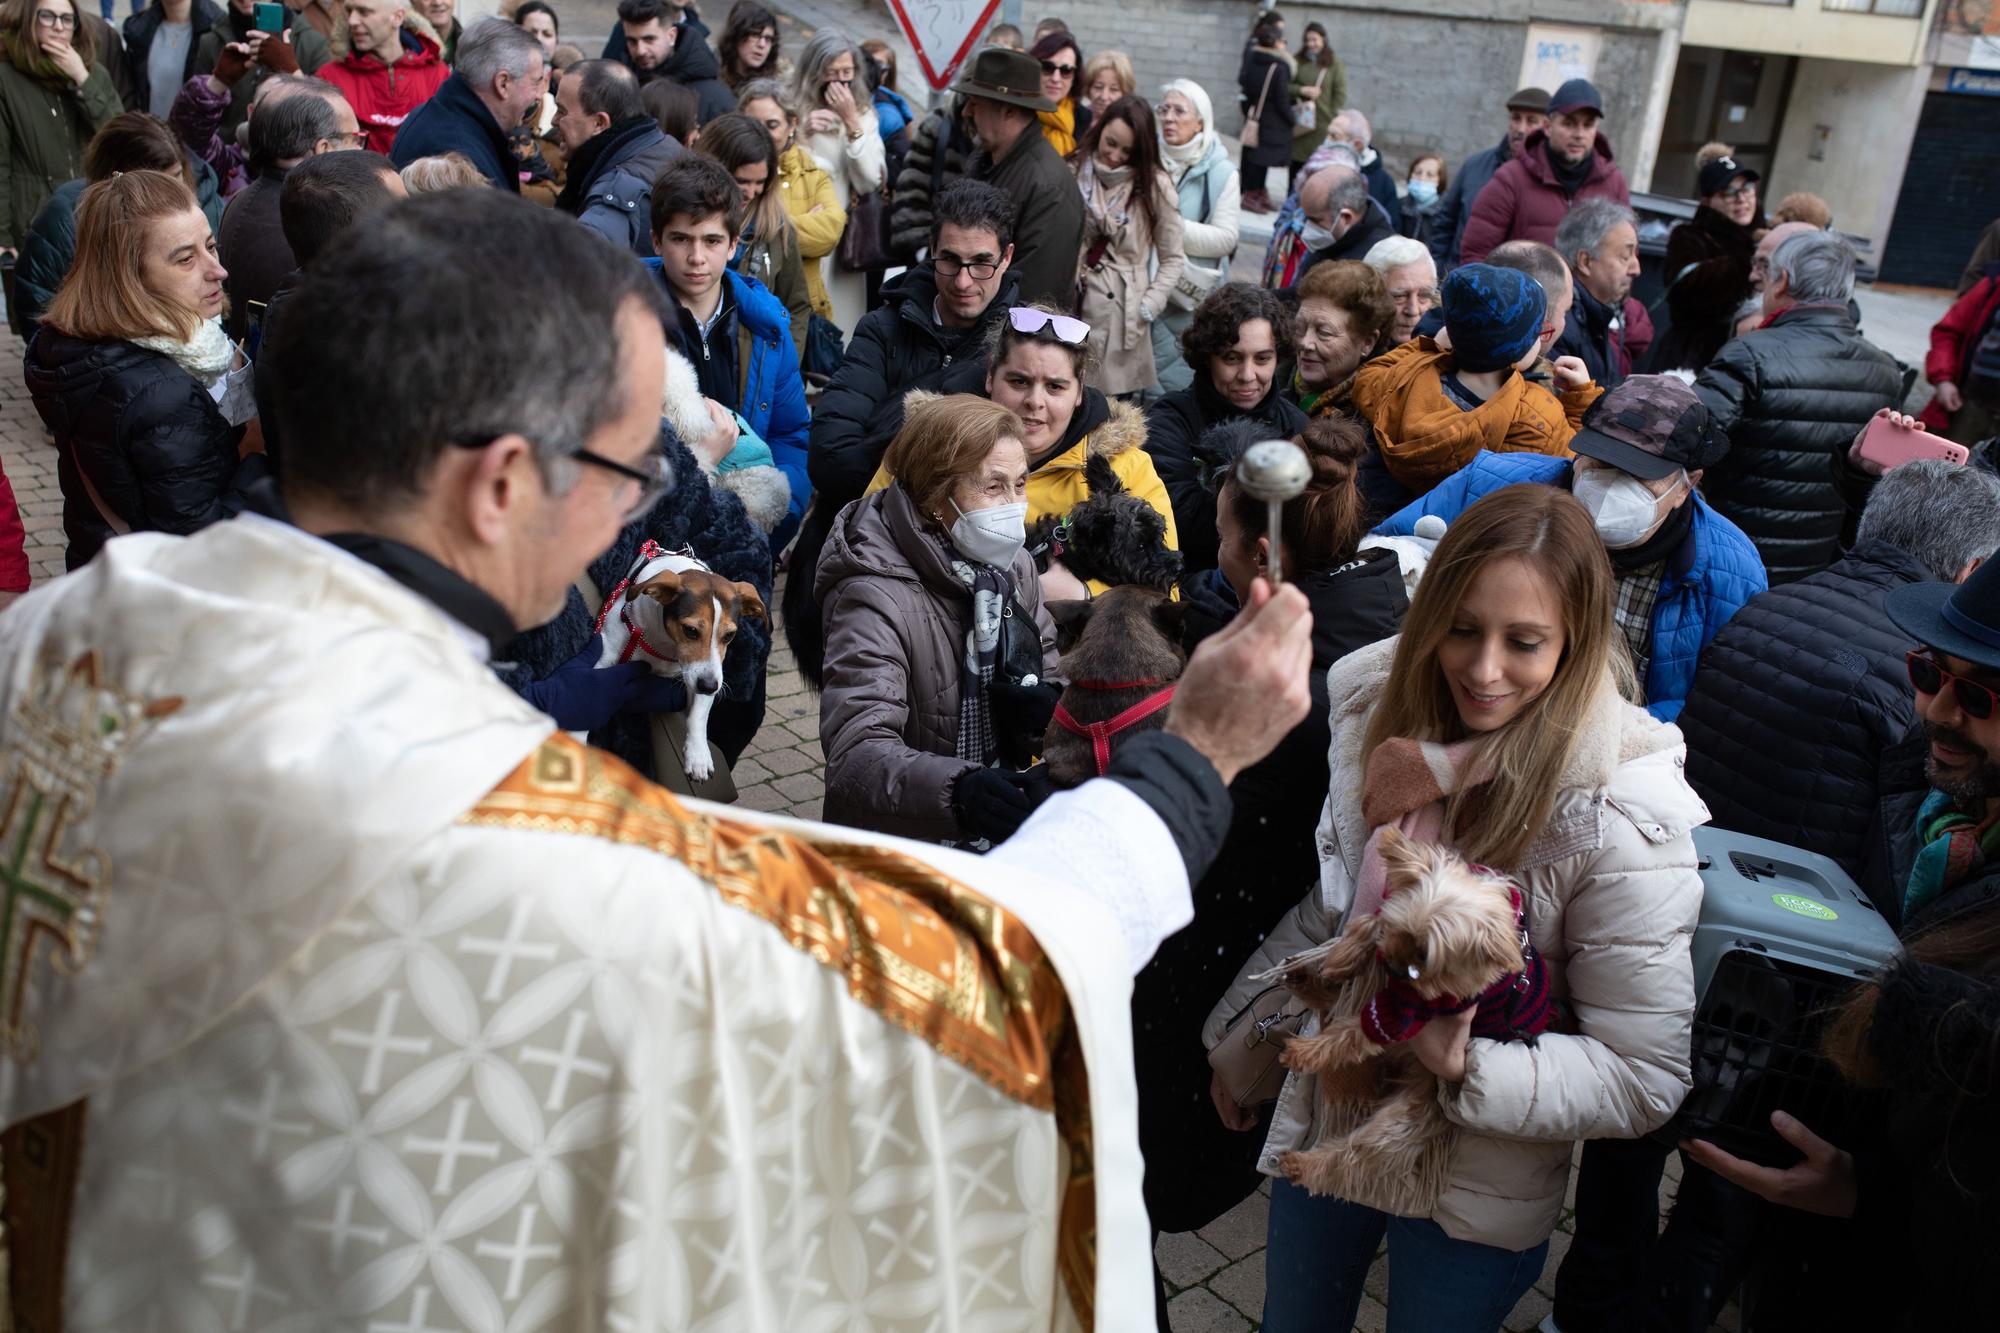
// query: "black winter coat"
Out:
[140,30]
[1266,865]
[1355,242]
[939,151]
[145,432]
[456,121]
[1048,215]
[692,62]
[1795,702]
[1711,256]
[1274,131]
[1792,395]
[1174,427]
[712,523]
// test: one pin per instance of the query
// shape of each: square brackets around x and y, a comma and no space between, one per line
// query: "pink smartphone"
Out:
[1891,445]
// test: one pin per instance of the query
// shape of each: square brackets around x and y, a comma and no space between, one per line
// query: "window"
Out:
[1900,9]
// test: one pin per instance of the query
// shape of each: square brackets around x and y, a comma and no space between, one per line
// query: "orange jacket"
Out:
[1425,437]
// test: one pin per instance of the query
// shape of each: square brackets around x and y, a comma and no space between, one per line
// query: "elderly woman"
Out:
[1107,78]
[840,133]
[145,394]
[1344,309]
[1211,201]
[939,651]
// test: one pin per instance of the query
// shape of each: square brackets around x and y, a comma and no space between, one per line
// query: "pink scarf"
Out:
[1406,784]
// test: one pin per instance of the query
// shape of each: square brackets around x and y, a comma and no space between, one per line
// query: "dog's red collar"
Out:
[1099,734]
[1117,684]
[637,641]
[649,551]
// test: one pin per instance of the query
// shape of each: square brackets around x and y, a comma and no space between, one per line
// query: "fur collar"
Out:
[1627,759]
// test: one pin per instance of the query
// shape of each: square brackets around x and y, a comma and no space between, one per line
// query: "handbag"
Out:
[1256,117]
[1305,111]
[864,246]
[1196,281]
[824,349]
[1091,259]
[1246,1059]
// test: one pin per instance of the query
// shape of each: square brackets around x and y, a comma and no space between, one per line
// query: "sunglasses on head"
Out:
[1027,319]
[1929,677]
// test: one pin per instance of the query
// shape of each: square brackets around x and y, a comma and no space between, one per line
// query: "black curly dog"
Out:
[1112,536]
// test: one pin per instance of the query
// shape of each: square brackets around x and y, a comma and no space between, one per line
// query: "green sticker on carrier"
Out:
[1793,902]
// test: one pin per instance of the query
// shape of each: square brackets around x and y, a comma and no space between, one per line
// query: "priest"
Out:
[339,989]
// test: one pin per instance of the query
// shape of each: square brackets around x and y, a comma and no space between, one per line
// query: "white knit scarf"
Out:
[207,356]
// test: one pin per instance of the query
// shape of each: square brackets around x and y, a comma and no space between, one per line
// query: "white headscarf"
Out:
[1179,159]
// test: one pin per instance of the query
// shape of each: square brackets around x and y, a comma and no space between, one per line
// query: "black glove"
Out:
[581,698]
[991,803]
[1021,716]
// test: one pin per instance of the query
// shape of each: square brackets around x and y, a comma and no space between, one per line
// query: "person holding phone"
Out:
[248,25]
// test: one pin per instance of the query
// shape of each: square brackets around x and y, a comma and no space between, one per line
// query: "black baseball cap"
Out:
[1716,175]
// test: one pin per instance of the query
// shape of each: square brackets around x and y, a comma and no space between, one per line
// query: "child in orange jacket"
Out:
[1435,404]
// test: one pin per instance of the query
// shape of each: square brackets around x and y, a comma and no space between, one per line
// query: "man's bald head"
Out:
[1330,192]
[1760,266]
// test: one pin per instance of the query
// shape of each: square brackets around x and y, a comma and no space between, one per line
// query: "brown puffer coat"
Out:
[896,619]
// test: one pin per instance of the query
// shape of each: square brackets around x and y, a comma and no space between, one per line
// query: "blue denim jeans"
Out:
[1320,1249]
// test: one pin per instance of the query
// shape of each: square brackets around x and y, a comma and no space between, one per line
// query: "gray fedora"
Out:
[1003,75]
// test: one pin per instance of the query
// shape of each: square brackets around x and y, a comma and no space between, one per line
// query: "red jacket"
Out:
[382,95]
[1523,202]
[15,576]
[1952,341]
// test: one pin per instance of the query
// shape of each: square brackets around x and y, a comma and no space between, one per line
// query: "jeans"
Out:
[1319,1253]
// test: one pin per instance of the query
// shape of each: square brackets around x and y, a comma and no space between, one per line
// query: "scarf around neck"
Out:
[1569,177]
[207,356]
[1952,844]
[991,590]
[1059,126]
[1406,784]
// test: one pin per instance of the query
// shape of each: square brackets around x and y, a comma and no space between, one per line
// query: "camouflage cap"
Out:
[1651,426]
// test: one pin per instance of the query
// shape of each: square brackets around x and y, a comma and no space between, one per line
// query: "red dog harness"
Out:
[1099,734]
[636,642]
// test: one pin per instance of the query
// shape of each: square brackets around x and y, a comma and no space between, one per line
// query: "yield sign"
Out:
[943,32]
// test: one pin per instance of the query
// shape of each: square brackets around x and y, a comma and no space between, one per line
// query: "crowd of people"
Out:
[935,392]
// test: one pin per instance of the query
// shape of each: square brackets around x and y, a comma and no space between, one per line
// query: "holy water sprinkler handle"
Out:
[1274,471]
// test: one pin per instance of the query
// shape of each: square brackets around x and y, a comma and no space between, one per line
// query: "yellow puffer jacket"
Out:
[1057,486]
[806,187]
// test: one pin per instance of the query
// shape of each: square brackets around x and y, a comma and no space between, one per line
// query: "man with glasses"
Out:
[403,991]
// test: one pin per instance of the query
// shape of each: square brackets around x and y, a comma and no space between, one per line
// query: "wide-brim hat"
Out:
[1003,75]
[1962,619]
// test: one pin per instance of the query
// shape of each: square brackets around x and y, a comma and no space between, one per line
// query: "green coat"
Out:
[307,45]
[42,137]
[1332,99]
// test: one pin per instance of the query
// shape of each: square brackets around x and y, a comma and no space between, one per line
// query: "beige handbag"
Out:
[1257,112]
[1246,1059]
[669,736]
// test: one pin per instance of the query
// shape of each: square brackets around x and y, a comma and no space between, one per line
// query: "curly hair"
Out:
[1220,318]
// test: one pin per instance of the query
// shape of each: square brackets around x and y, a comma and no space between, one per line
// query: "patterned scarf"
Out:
[1406,784]
[207,356]
[1954,844]
[991,591]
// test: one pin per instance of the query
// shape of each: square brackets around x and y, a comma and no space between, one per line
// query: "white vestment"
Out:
[379,1005]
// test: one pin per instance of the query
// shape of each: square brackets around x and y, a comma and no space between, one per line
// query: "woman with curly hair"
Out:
[1238,337]
[748,47]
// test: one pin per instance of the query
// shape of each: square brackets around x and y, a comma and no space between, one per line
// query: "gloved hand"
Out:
[276,54]
[581,698]
[231,63]
[1021,716]
[991,803]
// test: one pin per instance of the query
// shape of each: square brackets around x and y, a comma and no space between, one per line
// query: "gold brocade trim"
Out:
[929,954]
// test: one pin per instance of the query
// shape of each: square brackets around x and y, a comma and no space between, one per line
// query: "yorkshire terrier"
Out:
[1449,936]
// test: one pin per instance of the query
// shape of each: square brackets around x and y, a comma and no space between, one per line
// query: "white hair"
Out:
[1395,252]
[1358,126]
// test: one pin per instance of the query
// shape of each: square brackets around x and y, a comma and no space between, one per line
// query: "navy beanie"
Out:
[1493,315]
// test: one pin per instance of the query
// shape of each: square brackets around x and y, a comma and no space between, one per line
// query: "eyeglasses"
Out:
[358,139]
[1974,699]
[1738,191]
[48,18]
[652,483]
[1424,296]
[1051,67]
[950,266]
[1027,319]
[1171,111]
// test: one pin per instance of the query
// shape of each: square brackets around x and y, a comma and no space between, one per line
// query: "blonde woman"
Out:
[808,193]
[839,131]
[1107,78]
[442,171]
[1496,723]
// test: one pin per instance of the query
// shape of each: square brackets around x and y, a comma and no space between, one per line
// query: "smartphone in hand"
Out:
[1890,445]
[269,18]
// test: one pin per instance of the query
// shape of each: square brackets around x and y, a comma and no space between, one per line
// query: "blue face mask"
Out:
[1424,192]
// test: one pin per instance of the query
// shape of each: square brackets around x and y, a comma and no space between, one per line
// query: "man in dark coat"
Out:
[661,40]
[293,122]
[499,76]
[1343,221]
[1557,167]
[1606,328]
[1809,679]
[1352,128]
[614,152]
[1003,91]
[1527,111]
[1792,395]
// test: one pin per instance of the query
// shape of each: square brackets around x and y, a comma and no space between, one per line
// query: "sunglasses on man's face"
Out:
[1928,676]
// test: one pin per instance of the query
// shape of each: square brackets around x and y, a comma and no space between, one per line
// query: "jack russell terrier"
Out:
[679,617]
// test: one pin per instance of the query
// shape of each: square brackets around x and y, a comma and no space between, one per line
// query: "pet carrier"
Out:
[1783,935]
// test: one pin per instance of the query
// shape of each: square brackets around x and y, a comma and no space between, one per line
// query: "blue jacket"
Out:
[455,120]
[1713,574]
[770,393]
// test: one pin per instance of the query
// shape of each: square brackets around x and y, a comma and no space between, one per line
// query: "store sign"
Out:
[1978,82]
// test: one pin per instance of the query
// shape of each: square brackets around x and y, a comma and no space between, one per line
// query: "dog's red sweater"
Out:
[1516,1007]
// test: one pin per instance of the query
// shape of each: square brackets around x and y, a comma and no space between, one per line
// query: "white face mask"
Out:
[1624,511]
[991,536]
[1316,237]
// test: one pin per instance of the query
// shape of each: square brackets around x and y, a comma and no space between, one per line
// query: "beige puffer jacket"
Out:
[1612,898]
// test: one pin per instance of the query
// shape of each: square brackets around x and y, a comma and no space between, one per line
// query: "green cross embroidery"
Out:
[39,894]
